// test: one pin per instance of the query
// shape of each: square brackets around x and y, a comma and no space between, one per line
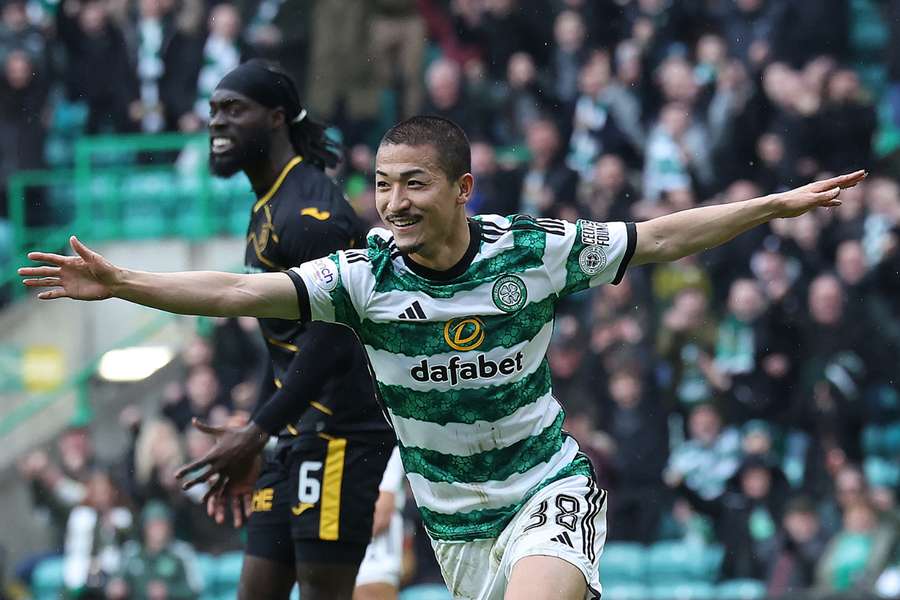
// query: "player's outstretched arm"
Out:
[89,276]
[687,232]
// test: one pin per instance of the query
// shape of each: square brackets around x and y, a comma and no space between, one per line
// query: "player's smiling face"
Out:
[239,132]
[416,200]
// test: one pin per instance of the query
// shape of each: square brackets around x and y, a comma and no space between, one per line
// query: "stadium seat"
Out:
[206,567]
[882,472]
[673,562]
[228,573]
[625,591]
[891,440]
[741,589]
[622,562]
[426,591]
[683,591]
[47,579]
[872,440]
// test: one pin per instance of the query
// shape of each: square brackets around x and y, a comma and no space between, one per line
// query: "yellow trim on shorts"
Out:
[330,519]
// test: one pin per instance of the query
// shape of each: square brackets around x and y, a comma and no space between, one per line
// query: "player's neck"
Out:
[263,173]
[447,254]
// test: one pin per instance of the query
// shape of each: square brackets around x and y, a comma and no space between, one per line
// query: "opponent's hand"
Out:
[230,463]
[822,194]
[236,498]
[85,276]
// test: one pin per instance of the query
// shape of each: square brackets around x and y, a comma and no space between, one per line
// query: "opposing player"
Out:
[379,573]
[456,316]
[312,504]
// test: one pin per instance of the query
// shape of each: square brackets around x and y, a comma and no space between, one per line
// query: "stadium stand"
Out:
[742,407]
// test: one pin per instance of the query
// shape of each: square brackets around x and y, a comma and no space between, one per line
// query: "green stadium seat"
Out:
[69,118]
[228,573]
[626,591]
[872,440]
[622,562]
[672,562]
[741,589]
[426,591]
[47,578]
[206,567]
[891,440]
[882,472]
[868,31]
[688,590]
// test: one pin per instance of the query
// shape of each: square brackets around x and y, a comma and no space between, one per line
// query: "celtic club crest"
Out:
[592,260]
[509,293]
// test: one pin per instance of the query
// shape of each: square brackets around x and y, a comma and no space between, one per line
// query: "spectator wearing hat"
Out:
[159,567]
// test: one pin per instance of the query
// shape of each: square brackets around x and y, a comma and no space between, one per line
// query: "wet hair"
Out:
[268,84]
[454,154]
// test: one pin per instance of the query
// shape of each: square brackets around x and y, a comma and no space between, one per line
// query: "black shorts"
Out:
[314,501]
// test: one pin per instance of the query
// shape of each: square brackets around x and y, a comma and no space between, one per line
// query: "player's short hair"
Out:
[453,152]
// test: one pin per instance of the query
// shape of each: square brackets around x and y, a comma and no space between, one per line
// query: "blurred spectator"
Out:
[200,395]
[58,487]
[96,531]
[497,186]
[157,455]
[17,32]
[746,517]
[798,546]
[638,427]
[677,154]
[752,27]
[846,124]
[501,28]
[152,32]
[608,194]
[606,120]
[182,56]
[23,118]
[96,55]
[837,358]
[446,98]
[398,48]
[686,342]
[749,365]
[523,99]
[568,55]
[620,321]
[858,553]
[709,457]
[340,78]
[159,567]
[222,52]
[547,183]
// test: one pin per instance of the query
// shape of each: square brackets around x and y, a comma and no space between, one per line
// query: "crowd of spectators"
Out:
[747,396]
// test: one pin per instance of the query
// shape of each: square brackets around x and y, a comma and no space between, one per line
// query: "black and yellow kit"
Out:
[315,497]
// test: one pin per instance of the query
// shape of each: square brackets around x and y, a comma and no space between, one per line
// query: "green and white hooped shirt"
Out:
[460,357]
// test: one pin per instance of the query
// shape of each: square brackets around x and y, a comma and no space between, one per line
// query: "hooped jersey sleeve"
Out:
[329,288]
[588,254]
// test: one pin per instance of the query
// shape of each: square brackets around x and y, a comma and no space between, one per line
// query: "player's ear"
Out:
[465,187]
[277,118]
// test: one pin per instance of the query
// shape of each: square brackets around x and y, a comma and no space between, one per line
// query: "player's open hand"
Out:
[85,276]
[818,194]
[230,464]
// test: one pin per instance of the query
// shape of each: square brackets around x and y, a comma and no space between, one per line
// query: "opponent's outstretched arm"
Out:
[89,276]
[690,231]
